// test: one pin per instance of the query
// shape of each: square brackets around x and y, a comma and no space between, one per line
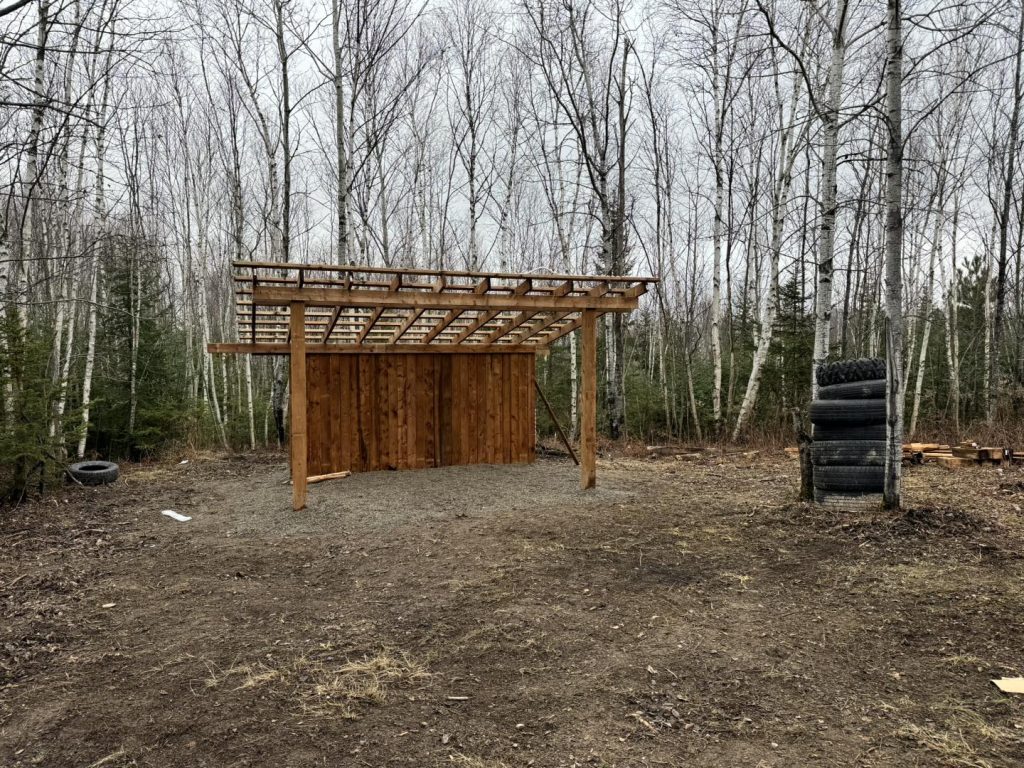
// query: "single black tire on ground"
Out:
[94,472]
[849,432]
[861,453]
[849,479]
[847,371]
[853,412]
[855,390]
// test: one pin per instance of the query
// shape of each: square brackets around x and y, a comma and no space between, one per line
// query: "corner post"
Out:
[588,408]
[299,455]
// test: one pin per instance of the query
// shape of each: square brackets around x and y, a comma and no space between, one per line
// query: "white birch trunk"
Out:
[96,293]
[788,150]
[936,255]
[893,261]
[90,357]
[826,236]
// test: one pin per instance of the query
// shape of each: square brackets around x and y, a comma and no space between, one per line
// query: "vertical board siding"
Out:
[409,411]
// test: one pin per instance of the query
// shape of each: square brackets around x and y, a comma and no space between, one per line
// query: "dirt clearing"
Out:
[684,613]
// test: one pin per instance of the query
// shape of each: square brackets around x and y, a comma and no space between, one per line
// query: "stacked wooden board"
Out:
[965,454]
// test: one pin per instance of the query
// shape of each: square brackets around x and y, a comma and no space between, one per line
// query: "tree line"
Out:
[811,181]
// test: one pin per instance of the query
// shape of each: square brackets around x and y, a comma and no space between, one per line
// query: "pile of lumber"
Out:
[916,453]
[967,453]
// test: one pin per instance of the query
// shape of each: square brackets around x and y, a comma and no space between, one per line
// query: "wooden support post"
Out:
[588,407]
[297,326]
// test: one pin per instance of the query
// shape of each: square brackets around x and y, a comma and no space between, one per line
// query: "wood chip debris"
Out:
[1010,684]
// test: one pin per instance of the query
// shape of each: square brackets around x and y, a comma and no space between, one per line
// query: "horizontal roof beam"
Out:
[362,269]
[332,297]
[269,348]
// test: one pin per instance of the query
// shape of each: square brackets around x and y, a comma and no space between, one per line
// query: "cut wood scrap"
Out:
[967,452]
[995,454]
[329,476]
[1010,684]
[673,450]
[792,451]
[954,462]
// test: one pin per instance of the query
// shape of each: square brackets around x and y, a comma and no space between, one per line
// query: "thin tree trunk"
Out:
[994,378]
[987,383]
[574,394]
[716,266]
[893,261]
[788,151]
[286,119]
[135,302]
[90,356]
[339,135]
[826,241]
[952,338]
[99,246]
[936,255]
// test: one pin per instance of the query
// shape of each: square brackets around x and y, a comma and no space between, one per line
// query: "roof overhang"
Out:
[376,309]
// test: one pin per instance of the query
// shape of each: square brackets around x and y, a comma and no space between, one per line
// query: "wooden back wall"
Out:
[407,411]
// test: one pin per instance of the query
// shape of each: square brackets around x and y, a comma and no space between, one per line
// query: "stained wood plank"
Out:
[437,447]
[588,402]
[446,431]
[529,387]
[298,442]
[370,412]
[369,409]
[505,405]
[315,382]
[346,411]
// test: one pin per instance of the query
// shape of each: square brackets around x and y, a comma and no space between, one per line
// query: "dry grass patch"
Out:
[319,686]
[475,762]
[962,738]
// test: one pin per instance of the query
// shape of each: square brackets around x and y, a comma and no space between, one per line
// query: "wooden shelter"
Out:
[406,368]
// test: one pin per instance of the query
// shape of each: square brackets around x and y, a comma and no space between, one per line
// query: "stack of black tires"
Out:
[848,451]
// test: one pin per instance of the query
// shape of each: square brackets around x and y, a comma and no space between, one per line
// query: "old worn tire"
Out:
[854,390]
[849,432]
[94,472]
[849,502]
[853,412]
[844,479]
[848,371]
[859,453]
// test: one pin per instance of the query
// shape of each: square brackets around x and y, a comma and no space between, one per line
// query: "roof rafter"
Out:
[350,307]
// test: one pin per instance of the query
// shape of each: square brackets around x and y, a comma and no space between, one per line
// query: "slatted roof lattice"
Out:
[363,307]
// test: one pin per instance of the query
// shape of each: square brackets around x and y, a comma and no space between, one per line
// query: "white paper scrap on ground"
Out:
[1010,684]
[183,461]
[175,516]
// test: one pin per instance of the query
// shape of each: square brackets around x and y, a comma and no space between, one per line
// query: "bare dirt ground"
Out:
[684,613]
